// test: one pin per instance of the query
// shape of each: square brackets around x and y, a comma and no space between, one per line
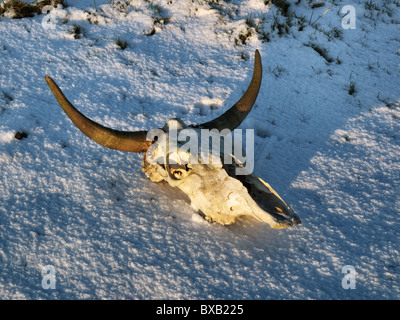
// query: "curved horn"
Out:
[110,138]
[236,114]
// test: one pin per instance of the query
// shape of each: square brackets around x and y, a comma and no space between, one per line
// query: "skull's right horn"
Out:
[238,112]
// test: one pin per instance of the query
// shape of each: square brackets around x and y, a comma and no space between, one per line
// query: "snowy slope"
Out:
[110,233]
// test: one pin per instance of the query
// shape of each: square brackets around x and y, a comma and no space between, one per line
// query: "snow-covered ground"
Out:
[110,233]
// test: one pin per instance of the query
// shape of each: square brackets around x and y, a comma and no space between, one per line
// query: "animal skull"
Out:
[213,185]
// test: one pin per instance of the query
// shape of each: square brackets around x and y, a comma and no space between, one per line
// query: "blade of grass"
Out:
[323,14]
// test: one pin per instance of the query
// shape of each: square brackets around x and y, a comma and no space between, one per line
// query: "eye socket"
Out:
[176,171]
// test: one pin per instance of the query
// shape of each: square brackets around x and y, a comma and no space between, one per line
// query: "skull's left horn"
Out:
[236,114]
[119,140]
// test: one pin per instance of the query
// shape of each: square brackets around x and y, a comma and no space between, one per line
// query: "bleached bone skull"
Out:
[213,184]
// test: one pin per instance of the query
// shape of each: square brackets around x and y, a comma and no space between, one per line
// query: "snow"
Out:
[110,233]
